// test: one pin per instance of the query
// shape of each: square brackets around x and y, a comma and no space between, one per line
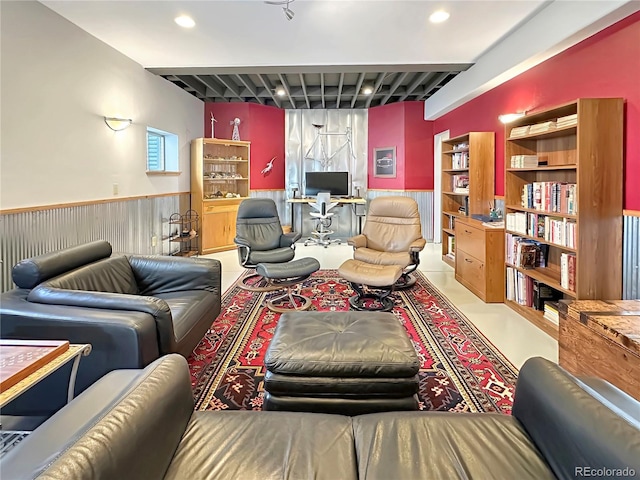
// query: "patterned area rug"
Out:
[461,370]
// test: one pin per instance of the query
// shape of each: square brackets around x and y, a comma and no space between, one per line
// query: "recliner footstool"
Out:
[347,363]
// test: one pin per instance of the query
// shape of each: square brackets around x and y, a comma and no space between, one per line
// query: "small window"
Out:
[162,151]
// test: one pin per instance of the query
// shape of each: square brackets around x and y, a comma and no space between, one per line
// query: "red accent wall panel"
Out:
[263,126]
[604,65]
[418,144]
[386,129]
[267,141]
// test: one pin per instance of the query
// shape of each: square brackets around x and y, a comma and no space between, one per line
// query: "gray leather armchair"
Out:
[132,309]
[260,239]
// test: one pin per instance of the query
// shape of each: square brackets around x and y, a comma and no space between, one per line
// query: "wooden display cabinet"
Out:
[219,182]
[586,152]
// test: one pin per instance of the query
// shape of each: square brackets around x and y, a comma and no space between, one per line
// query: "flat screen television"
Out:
[336,183]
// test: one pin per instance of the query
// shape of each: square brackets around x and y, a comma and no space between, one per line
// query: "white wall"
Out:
[57,84]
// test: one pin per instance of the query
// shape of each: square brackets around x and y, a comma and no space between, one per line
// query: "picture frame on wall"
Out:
[384,162]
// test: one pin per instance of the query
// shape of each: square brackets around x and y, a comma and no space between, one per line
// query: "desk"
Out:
[354,202]
[43,370]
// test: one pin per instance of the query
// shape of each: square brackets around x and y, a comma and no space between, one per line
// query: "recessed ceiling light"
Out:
[280,91]
[439,16]
[368,90]
[185,21]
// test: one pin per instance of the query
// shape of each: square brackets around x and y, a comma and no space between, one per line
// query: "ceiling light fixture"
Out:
[367,90]
[280,91]
[116,124]
[510,117]
[285,7]
[439,16]
[185,21]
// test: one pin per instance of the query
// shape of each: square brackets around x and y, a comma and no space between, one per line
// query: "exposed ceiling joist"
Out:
[340,84]
[251,87]
[269,89]
[304,90]
[394,86]
[287,89]
[357,90]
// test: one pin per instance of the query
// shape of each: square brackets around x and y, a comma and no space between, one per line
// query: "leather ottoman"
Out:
[348,363]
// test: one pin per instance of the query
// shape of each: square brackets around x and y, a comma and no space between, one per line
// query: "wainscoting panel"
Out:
[425,206]
[278,196]
[128,225]
[631,258]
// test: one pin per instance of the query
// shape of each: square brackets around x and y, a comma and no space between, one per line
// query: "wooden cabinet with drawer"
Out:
[480,259]
[219,182]
[219,226]
[601,338]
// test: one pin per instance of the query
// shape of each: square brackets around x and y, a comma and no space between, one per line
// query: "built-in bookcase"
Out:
[468,165]
[569,201]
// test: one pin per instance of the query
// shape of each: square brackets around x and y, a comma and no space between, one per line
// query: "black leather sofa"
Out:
[132,309]
[140,424]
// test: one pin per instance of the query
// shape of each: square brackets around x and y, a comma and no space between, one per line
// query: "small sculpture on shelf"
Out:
[213,119]
[236,131]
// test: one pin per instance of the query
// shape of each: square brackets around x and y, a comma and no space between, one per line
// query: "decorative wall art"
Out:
[384,162]
[268,168]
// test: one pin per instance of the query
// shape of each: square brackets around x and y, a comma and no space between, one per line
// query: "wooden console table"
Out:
[25,362]
[601,338]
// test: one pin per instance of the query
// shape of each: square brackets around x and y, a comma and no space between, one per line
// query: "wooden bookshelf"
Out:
[479,148]
[589,154]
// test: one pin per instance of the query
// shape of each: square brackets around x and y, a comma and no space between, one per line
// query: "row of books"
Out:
[529,292]
[460,160]
[546,126]
[568,271]
[559,231]
[557,197]
[567,121]
[460,183]
[524,161]
[551,312]
[525,253]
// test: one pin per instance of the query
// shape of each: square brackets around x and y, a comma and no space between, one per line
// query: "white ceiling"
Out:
[333,33]
[252,33]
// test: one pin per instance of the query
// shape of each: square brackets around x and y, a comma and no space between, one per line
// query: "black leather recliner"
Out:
[260,239]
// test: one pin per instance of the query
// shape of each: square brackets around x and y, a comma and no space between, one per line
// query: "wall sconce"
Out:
[116,124]
[510,117]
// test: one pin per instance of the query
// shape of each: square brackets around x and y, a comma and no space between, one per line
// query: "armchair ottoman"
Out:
[348,363]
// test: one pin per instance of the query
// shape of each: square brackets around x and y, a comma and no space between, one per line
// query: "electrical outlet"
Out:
[115,189]
[154,241]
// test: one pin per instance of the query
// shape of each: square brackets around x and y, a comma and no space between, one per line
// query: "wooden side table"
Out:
[601,338]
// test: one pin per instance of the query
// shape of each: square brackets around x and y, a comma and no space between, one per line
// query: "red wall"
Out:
[386,129]
[263,126]
[418,143]
[604,65]
[402,125]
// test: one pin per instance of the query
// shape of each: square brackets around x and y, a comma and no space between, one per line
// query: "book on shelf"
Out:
[543,293]
[519,131]
[567,121]
[557,197]
[460,183]
[451,246]
[460,160]
[568,271]
[551,312]
[519,287]
[525,253]
[556,230]
[524,161]
[542,127]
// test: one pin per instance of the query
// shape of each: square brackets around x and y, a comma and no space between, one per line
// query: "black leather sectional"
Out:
[140,424]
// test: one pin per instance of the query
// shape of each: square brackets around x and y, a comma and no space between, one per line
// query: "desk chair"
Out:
[322,205]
